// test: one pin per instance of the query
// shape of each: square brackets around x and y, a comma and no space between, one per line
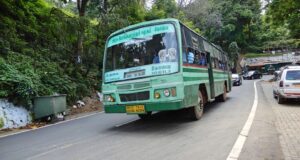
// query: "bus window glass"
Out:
[183,41]
[203,59]
[146,51]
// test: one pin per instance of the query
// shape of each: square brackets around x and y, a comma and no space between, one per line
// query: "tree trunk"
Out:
[81,6]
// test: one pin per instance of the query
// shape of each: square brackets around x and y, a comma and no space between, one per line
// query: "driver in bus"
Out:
[155,58]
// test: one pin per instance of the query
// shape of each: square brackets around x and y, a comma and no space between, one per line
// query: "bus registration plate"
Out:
[135,109]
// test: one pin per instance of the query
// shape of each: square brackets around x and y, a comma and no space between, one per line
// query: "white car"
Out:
[236,79]
[287,85]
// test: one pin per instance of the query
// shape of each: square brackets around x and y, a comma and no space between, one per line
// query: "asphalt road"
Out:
[263,139]
[169,135]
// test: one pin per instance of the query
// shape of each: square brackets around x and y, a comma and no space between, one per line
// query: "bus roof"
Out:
[142,24]
[159,21]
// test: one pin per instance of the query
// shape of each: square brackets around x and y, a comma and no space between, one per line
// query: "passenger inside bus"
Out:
[202,59]
[191,56]
[155,58]
[172,55]
[162,54]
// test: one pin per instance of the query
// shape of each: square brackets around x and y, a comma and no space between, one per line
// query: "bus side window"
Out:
[202,59]
[216,63]
[190,56]
[184,55]
[212,61]
[197,58]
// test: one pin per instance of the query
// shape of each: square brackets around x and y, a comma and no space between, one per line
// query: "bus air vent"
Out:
[134,96]
[141,85]
[124,87]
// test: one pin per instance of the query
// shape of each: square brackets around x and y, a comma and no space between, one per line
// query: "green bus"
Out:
[162,65]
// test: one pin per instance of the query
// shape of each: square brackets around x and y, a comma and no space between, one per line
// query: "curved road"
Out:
[169,135]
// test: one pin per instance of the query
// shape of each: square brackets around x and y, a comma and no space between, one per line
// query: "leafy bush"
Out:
[255,55]
[1,122]
[24,78]
[37,48]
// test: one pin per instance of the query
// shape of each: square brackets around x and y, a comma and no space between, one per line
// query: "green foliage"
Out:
[256,55]
[283,12]
[290,43]
[46,47]
[226,21]
[233,51]
[37,53]
[24,78]
[1,122]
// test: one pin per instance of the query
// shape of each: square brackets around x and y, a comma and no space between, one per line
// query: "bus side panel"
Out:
[207,87]
[190,95]
[220,78]
[229,82]
[192,78]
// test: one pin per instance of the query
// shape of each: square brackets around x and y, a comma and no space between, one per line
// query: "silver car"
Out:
[287,85]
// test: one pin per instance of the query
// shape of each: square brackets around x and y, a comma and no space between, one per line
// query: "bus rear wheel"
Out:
[223,97]
[197,111]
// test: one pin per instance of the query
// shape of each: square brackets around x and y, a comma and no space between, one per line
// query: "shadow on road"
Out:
[291,103]
[165,122]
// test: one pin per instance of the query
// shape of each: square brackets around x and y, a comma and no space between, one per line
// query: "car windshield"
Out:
[293,75]
[142,52]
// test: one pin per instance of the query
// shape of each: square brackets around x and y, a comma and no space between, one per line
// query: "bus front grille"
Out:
[134,96]
[141,85]
[124,87]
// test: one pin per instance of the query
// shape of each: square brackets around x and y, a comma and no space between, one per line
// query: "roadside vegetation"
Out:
[56,46]
[256,55]
[1,122]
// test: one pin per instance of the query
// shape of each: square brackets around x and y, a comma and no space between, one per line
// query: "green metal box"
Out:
[49,105]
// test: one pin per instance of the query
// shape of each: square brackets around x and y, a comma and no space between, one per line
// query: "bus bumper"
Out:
[162,106]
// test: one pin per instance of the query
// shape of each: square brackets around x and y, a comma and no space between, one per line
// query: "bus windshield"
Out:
[142,52]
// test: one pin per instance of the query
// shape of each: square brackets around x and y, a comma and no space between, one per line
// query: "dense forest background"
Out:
[56,46]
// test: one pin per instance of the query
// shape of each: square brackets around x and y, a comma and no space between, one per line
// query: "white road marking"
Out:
[239,143]
[55,148]
[51,124]
[119,125]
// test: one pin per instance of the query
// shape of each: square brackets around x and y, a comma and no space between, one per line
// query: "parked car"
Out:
[237,80]
[252,75]
[287,85]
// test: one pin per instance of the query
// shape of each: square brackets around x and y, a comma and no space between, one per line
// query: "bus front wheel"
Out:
[197,111]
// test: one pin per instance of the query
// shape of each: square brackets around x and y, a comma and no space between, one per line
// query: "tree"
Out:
[81,6]
[283,12]
[225,21]
[205,16]
[233,54]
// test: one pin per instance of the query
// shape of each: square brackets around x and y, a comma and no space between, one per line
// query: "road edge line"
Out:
[16,133]
[239,143]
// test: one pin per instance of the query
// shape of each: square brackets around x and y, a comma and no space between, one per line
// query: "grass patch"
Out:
[1,122]
[255,55]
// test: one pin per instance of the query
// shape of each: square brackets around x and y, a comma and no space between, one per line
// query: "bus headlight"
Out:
[156,95]
[166,92]
[109,98]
